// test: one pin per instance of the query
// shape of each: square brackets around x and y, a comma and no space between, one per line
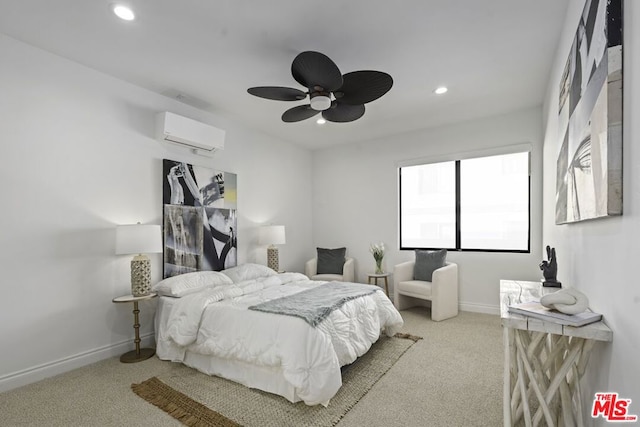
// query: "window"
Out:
[479,204]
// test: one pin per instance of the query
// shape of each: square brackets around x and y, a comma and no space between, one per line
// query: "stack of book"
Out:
[538,311]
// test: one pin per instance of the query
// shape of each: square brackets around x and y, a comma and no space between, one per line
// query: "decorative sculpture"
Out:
[550,269]
[567,301]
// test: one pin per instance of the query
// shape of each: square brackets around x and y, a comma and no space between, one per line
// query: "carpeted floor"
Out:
[453,377]
[197,399]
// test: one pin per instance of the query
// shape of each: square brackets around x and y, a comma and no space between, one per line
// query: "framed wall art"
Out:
[589,165]
[199,218]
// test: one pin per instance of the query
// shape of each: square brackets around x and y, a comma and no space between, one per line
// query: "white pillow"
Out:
[188,283]
[248,272]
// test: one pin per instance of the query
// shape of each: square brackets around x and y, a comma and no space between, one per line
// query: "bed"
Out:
[224,324]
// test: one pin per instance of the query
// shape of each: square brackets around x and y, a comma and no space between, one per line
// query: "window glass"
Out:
[493,199]
[494,202]
[428,206]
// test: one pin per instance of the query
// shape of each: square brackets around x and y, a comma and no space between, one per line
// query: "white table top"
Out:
[378,274]
[131,298]
[517,291]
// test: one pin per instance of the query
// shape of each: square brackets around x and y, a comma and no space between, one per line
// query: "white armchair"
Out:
[441,292]
[348,271]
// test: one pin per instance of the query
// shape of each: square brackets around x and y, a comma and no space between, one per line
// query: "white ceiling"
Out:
[494,55]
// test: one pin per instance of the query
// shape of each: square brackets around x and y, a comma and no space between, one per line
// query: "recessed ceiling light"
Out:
[123,12]
[321,121]
[440,90]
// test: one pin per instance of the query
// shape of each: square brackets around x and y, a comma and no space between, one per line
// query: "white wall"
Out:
[355,199]
[598,257]
[78,157]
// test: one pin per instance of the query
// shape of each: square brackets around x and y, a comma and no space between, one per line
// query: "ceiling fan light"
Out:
[320,102]
[123,12]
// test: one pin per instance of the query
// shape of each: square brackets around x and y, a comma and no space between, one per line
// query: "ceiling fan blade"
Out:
[342,113]
[360,87]
[316,69]
[296,114]
[277,93]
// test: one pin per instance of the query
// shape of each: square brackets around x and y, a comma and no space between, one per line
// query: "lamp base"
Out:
[137,356]
[272,258]
[140,276]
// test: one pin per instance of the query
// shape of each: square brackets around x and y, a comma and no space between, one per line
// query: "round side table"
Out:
[138,354]
[373,277]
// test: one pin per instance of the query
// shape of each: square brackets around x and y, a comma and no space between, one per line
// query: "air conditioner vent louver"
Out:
[176,129]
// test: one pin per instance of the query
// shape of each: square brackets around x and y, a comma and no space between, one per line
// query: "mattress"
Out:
[213,330]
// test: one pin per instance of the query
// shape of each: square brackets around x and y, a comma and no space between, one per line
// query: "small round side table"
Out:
[138,354]
[375,276]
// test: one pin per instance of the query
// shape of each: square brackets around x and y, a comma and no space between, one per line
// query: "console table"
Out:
[544,362]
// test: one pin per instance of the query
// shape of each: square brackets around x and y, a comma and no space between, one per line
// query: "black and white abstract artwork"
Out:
[200,221]
[589,165]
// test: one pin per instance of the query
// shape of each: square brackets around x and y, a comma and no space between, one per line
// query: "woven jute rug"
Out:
[196,399]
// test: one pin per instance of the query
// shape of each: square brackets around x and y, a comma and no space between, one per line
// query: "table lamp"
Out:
[272,235]
[139,239]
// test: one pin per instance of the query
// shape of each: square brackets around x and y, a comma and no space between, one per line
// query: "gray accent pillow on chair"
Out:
[331,261]
[427,262]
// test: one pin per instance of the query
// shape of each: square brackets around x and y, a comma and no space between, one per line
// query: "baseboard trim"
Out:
[479,308]
[56,367]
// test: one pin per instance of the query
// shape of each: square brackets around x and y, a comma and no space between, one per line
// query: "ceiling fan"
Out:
[340,98]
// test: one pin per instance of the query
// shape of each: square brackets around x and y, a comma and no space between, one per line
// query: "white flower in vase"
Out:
[378,254]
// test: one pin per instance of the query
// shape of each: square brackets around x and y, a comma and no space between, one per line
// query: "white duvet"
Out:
[216,321]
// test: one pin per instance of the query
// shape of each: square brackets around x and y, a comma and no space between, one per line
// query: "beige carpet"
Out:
[452,377]
[199,400]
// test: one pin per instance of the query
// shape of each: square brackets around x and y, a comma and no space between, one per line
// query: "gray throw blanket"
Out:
[315,304]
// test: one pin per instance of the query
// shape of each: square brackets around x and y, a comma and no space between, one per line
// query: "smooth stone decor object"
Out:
[550,269]
[567,301]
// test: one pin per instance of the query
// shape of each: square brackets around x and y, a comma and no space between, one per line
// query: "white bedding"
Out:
[214,331]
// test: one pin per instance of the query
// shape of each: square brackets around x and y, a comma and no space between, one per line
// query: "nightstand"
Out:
[138,354]
[375,276]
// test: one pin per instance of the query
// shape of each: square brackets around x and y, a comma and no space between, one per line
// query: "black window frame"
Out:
[458,232]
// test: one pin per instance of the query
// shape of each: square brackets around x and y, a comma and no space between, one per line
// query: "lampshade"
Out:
[272,235]
[138,239]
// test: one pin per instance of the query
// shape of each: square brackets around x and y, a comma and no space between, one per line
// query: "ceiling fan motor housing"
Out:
[320,100]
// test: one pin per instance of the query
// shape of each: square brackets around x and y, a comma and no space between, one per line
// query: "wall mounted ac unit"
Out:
[188,132]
